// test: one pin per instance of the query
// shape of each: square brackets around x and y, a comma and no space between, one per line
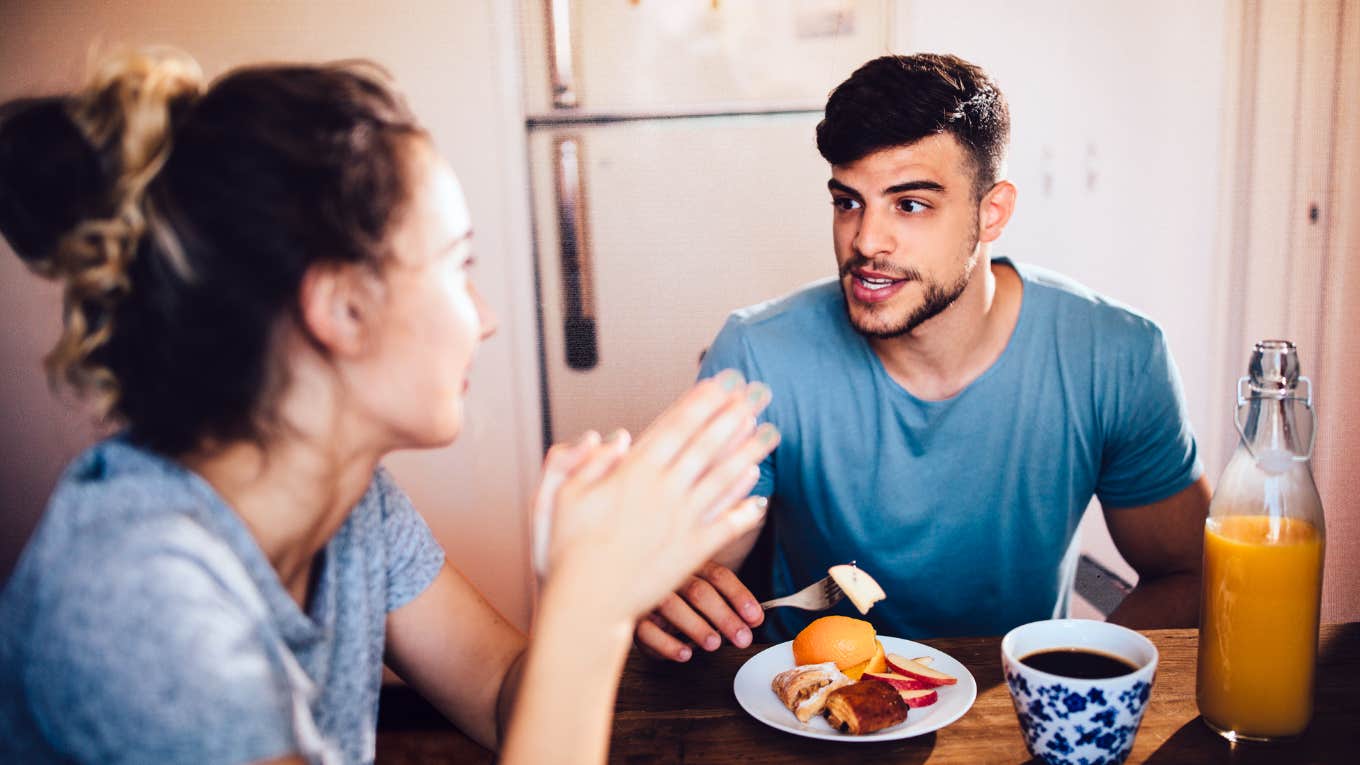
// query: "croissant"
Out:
[804,689]
[865,707]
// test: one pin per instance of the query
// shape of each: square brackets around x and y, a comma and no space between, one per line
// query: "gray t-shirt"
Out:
[144,624]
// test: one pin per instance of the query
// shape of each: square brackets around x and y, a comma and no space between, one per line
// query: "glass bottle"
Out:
[1263,551]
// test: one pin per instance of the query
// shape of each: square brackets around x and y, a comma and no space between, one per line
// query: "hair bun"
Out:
[125,113]
[73,174]
[65,160]
[50,177]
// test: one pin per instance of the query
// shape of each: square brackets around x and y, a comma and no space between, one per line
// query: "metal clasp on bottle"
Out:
[1245,392]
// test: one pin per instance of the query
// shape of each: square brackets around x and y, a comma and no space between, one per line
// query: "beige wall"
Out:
[1339,407]
[456,63]
[1294,145]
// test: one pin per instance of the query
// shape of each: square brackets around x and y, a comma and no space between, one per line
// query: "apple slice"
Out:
[901,682]
[923,697]
[926,660]
[911,668]
[858,586]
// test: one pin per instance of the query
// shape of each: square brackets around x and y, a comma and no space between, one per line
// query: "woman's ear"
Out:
[994,211]
[337,308]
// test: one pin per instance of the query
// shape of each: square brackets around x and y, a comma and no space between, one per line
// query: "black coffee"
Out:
[1079,663]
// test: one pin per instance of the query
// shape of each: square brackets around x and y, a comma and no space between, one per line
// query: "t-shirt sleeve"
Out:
[155,660]
[1150,451]
[731,350]
[414,557]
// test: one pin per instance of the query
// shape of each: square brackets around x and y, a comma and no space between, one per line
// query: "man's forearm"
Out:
[1171,600]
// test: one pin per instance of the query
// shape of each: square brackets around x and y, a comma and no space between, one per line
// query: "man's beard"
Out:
[873,321]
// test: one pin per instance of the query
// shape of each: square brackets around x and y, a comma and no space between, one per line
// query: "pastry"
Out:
[804,689]
[865,707]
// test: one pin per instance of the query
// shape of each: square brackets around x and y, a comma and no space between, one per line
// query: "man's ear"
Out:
[336,308]
[994,211]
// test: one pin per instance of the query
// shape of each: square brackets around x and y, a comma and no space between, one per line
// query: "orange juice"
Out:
[1259,624]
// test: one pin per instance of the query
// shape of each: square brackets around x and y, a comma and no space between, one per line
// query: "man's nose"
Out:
[875,235]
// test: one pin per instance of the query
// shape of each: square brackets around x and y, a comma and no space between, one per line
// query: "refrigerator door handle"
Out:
[578,283]
[560,54]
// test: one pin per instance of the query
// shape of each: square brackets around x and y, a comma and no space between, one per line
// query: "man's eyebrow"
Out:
[835,185]
[913,186]
[898,188]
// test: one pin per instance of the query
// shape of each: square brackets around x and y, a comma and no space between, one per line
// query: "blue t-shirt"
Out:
[144,624]
[964,509]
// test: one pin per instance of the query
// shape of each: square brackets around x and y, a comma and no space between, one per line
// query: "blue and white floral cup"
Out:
[1070,721]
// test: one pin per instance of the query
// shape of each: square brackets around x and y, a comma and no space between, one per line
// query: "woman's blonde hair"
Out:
[124,113]
[182,219]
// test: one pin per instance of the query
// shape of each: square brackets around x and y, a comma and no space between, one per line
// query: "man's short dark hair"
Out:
[898,100]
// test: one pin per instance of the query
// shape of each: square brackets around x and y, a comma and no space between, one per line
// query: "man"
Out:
[947,415]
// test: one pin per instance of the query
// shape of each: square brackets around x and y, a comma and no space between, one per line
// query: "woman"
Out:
[267,283]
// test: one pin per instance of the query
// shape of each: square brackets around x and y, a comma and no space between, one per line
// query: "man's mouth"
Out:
[876,282]
[873,287]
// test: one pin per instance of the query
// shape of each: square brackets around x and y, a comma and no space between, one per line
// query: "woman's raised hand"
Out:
[630,522]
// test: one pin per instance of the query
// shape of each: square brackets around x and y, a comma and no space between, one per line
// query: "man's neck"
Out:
[944,355]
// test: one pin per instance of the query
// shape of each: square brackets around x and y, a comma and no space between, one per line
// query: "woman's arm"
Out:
[459,653]
[628,525]
[571,674]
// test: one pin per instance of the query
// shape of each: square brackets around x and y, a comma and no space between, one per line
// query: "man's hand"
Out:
[712,605]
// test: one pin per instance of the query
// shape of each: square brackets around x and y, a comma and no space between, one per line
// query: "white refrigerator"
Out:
[674,177]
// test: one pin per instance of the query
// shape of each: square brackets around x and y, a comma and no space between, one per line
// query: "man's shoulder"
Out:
[815,306]
[1076,310]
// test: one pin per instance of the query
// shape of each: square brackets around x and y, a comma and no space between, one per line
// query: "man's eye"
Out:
[911,206]
[845,204]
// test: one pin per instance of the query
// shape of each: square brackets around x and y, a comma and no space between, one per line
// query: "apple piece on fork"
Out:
[858,586]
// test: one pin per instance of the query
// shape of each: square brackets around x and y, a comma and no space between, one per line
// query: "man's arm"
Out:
[1164,542]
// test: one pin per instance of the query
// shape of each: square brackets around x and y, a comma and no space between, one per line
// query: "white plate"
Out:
[752,686]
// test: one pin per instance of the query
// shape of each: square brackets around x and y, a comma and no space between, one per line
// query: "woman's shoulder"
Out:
[123,535]
[144,636]
[82,572]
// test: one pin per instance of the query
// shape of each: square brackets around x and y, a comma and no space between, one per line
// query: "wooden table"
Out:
[669,713]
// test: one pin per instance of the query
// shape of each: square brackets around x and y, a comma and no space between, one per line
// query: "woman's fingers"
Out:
[673,429]
[713,444]
[730,479]
[709,507]
[743,517]
[562,459]
[601,459]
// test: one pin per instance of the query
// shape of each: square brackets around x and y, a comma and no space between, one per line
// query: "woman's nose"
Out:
[486,317]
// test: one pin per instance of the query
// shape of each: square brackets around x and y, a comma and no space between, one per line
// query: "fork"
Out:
[818,596]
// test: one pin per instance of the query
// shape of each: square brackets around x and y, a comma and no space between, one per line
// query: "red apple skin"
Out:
[901,682]
[910,668]
[920,697]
